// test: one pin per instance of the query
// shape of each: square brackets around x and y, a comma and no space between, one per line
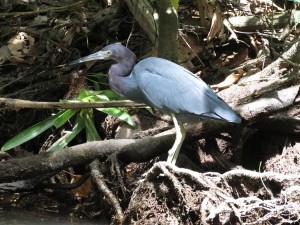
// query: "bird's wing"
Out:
[174,89]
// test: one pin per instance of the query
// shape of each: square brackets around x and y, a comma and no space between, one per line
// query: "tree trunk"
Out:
[168,30]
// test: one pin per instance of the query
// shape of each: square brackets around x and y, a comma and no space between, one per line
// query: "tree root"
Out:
[108,194]
[239,196]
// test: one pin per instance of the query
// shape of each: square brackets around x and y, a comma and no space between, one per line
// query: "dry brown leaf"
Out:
[230,80]
[216,25]
[69,35]
[84,189]
[206,9]
[22,59]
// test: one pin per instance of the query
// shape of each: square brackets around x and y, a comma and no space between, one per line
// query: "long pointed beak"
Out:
[96,56]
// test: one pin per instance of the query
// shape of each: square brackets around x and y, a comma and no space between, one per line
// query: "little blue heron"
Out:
[165,85]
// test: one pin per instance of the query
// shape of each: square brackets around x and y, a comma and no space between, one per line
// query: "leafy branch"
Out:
[84,118]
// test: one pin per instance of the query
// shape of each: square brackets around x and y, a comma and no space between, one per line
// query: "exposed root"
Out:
[238,196]
[109,195]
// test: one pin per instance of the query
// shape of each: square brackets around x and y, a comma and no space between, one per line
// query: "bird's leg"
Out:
[180,135]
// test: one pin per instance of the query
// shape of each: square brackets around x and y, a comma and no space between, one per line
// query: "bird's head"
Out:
[115,52]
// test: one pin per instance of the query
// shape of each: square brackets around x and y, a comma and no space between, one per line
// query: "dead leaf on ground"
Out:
[230,80]
[206,9]
[216,25]
[237,58]
[24,59]
[69,35]
[84,189]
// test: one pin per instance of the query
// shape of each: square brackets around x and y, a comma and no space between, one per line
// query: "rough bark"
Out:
[35,165]
[254,23]
[143,12]
[168,30]
[129,150]
[22,104]
[268,91]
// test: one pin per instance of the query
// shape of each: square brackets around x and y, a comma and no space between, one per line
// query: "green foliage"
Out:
[31,132]
[175,4]
[97,79]
[68,136]
[84,120]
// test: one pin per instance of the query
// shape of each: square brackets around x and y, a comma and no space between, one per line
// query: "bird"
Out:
[165,85]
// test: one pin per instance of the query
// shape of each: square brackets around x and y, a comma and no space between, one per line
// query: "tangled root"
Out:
[172,195]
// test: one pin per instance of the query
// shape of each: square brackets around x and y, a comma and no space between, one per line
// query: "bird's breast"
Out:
[127,87]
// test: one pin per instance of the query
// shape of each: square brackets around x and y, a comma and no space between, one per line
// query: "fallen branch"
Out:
[268,91]
[254,23]
[35,165]
[22,104]
[272,103]
[128,150]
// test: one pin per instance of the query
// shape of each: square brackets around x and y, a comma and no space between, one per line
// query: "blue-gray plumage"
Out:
[165,85]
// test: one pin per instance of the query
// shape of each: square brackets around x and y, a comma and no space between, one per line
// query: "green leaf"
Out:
[112,95]
[107,95]
[68,137]
[118,113]
[98,78]
[98,98]
[83,94]
[149,109]
[91,131]
[64,117]
[175,4]
[97,75]
[84,120]
[30,132]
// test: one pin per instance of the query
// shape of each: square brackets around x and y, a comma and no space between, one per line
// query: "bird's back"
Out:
[173,89]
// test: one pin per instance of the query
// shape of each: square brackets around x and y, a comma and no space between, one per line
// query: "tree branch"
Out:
[128,150]
[22,104]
